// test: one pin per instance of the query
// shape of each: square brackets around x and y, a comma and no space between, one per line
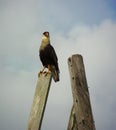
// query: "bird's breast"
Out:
[43,46]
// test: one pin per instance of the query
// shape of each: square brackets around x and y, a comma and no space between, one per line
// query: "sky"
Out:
[86,27]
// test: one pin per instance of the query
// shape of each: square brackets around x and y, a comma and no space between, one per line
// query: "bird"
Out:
[48,57]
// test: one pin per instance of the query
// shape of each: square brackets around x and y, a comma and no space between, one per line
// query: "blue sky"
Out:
[112,6]
[86,27]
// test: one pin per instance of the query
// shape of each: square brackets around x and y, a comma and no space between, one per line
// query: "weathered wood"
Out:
[72,120]
[82,107]
[39,102]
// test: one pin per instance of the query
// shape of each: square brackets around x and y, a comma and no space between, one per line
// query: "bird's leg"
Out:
[49,70]
[41,71]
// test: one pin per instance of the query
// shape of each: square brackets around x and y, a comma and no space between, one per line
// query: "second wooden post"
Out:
[81,115]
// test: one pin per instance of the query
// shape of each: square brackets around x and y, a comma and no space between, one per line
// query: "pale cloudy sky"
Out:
[86,27]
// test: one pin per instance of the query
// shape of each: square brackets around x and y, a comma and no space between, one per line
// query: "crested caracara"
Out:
[48,57]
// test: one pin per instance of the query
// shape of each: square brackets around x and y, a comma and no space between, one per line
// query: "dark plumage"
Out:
[48,56]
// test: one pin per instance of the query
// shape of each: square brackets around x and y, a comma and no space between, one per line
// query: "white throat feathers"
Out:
[45,42]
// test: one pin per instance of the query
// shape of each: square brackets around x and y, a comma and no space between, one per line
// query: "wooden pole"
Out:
[72,120]
[39,102]
[81,115]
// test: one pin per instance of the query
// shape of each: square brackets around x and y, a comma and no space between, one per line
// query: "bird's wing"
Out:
[53,56]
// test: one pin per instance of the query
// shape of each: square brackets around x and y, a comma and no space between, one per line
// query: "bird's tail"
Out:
[55,73]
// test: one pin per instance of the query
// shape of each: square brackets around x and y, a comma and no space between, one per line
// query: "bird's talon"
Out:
[46,73]
[40,73]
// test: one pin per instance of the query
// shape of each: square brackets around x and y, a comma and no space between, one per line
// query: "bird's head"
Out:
[46,34]
[46,37]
